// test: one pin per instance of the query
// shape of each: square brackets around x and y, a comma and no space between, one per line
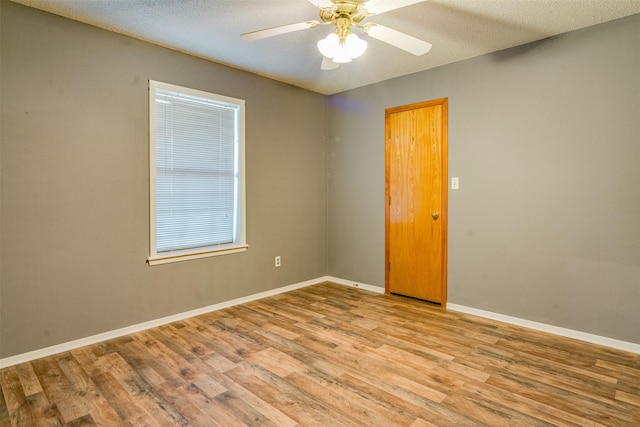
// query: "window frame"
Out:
[240,243]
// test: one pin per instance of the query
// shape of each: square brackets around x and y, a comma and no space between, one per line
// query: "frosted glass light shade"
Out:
[341,56]
[330,45]
[352,47]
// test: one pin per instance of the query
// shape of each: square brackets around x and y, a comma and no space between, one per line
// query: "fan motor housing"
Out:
[354,11]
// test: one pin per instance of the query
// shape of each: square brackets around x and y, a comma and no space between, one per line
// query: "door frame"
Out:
[444,190]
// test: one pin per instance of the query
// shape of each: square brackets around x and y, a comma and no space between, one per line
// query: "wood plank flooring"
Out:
[328,355]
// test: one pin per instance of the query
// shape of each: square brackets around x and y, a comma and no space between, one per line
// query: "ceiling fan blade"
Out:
[322,3]
[400,40]
[380,6]
[328,64]
[283,29]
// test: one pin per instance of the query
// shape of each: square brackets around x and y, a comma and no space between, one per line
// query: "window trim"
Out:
[240,245]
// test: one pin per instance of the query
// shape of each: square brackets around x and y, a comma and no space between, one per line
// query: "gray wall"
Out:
[546,141]
[74,172]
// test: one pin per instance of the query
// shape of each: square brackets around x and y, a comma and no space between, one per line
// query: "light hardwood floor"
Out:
[328,355]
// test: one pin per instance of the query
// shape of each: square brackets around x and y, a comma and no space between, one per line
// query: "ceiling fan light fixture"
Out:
[343,46]
[332,47]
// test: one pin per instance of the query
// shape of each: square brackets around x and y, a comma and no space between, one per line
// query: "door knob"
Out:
[435,216]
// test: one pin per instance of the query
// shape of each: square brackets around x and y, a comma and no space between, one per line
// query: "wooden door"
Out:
[416,190]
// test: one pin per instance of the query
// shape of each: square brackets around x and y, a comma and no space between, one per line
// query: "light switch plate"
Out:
[455,183]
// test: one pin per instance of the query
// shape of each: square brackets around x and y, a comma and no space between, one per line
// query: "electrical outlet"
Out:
[278,261]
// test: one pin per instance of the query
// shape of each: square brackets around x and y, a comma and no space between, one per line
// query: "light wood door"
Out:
[416,190]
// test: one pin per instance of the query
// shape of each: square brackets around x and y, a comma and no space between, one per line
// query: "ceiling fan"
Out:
[343,45]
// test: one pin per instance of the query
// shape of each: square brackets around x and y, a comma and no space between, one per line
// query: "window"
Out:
[196,153]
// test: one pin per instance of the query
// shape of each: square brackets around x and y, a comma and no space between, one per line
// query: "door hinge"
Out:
[389,200]
[389,266]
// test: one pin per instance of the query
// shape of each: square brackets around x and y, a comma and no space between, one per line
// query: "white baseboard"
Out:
[60,348]
[353,284]
[67,346]
[556,330]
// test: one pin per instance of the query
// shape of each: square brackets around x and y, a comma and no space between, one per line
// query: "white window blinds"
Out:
[197,171]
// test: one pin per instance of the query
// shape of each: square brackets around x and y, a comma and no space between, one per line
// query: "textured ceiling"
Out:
[458,29]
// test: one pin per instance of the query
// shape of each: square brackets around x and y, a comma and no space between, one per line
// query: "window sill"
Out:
[178,256]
